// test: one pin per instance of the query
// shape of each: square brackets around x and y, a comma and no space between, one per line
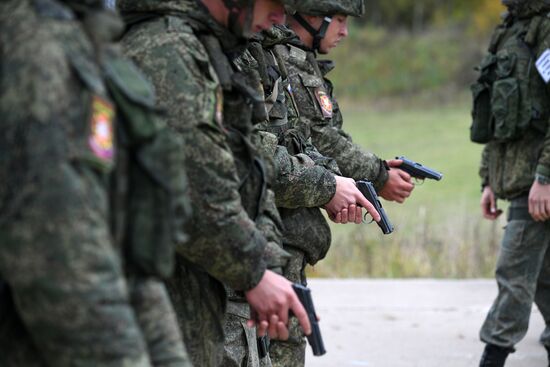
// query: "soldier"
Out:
[320,27]
[510,116]
[306,117]
[187,48]
[81,258]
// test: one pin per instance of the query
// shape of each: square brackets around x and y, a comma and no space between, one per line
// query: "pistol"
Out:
[418,171]
[314,339]
[368,191]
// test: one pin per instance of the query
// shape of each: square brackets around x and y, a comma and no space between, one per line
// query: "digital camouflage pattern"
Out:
[305,182]
[313,108]
[518,147]
[69,303]
[293,351]
[304,178]
[184,53]
[240,345]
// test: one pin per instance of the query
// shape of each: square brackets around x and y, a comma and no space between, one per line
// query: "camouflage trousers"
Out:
[523,277]
[199,301]
[158,323]
[240,346]
[292,352]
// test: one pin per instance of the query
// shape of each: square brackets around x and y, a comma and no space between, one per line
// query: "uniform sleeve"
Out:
[56,252]
[223,239]
[484,167]
[543,166]
[355,162]
[299,181]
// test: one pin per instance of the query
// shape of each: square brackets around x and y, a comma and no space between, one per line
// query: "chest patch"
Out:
[543,65]
[101,129]
[324,102]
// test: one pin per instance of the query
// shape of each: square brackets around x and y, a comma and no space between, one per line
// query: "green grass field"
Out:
[439,230]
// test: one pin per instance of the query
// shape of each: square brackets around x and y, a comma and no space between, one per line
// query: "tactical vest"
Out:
[149,201]
[509,95]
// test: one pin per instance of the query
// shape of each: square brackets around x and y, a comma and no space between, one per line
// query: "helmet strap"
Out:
[235,11]
[317,34]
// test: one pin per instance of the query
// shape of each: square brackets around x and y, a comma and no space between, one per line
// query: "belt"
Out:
[519,209]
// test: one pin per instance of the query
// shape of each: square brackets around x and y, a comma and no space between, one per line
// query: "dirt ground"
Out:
[411,323]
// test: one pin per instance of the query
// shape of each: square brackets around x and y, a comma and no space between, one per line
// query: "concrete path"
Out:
[410,323]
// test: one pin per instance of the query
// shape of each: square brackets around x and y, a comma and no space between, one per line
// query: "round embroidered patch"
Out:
[324,102]
[101,129]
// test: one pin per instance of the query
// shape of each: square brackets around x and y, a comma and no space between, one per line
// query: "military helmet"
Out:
[354,8]
[326,9]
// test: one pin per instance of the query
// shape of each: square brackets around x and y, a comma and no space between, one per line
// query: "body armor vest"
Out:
[510,96]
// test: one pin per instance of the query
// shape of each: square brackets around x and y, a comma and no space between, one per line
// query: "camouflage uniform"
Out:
[235,226]
[70,299]
[511,113]
[299,182]
[322,116]
[304,118]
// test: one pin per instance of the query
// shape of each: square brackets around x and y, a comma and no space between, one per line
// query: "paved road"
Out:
[410,323]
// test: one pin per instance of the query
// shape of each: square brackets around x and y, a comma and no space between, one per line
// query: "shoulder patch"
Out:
[324,102]
[543,65]
[101,139]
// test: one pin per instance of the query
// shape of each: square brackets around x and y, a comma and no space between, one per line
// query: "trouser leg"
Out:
[292,351]
[519,265]
[542,297]
[240,346]
[158,323]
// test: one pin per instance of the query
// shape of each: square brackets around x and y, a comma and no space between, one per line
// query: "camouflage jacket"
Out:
[519,141]
[188,57]
[303,178]
[64,267]
[313,109]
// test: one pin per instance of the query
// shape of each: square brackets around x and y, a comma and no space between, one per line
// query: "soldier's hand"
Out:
[275,329]
[539,202]
[399,185]
[489,204]
[347,194]
[274,296]
[353,214]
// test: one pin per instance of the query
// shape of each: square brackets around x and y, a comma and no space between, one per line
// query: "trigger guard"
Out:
[365,218]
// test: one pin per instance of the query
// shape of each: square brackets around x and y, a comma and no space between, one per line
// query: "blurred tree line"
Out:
[417,16]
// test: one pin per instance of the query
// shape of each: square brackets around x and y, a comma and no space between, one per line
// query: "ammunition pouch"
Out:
[509,96]
[307,230]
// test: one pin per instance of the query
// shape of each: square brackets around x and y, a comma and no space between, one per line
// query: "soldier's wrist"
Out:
[382,177]
[542,179]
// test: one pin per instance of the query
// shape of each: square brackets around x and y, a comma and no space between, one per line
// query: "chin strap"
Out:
[234,11]
[317,34]
[235,8]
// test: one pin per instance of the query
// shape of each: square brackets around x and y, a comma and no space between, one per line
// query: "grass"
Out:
[381,63]
[439,230]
